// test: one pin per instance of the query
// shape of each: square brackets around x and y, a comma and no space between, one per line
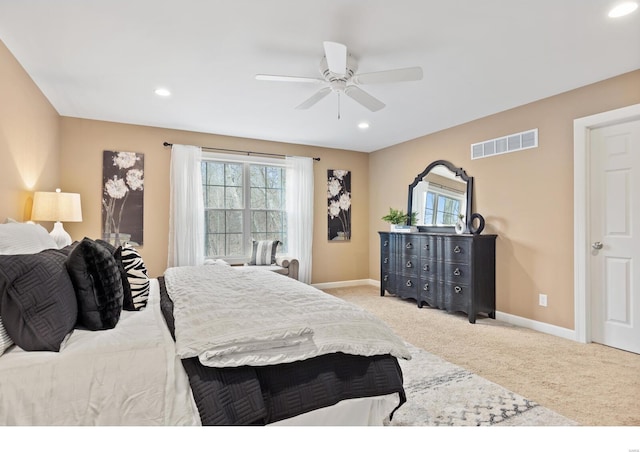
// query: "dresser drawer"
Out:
[457,273]
[457,297]
[388,281]
[408,245]
[408,286]
[457,250]
[428,290]
[428,247]
[428,268]
[408,265]
[385,263]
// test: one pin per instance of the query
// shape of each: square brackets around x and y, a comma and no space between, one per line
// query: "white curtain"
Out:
[300,213]
[186,207]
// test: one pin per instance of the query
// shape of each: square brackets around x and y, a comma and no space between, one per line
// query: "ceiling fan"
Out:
[338,70]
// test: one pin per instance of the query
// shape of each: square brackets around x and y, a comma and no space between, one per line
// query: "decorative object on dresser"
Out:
[57,206]
[443,265]
[472,226]
[400,221]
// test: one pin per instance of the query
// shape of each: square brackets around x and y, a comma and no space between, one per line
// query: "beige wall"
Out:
[82,144]
[525,197]
[28,140]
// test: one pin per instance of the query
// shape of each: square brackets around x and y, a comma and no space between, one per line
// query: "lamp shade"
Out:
[56,206]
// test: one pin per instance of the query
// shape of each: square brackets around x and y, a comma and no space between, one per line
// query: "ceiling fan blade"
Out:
[363,98]
[336,55]
[287,78]
[407,74]
[314,99]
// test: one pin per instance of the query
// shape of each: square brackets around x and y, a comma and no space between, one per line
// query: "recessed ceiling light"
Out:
[163,92]
[623,9]
[363,125]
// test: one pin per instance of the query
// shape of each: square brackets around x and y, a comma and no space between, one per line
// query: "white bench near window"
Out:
[263,257]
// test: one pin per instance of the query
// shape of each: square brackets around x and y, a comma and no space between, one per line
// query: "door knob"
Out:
[597,245]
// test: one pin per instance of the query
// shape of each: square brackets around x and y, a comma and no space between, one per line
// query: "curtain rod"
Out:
[317,159]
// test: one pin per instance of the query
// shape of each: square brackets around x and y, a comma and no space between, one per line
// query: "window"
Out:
[243,200]
[440,208]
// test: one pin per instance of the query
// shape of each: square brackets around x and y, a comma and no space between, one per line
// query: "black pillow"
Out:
[37,300]
[127,302]
[97,283]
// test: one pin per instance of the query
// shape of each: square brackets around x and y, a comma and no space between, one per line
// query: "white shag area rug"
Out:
[440,393]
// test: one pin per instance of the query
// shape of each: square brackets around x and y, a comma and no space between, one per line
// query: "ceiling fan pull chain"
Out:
[338,105]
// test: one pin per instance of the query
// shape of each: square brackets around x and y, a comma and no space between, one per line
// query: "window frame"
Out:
[246,161]
[439,191]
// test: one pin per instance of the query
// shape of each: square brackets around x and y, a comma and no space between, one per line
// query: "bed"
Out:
[193,354]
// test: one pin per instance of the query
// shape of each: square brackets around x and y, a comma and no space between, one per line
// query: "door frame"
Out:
[581,211]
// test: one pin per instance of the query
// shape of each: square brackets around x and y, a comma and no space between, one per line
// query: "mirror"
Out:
[438,195]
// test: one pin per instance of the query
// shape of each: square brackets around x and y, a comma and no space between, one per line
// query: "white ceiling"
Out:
[103,59]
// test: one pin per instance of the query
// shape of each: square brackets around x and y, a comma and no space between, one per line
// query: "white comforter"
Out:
[232,318]
[128,375]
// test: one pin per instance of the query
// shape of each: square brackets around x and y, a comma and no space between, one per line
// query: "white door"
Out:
[615,235]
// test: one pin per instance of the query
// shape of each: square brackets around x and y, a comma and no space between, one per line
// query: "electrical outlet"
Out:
[542,300]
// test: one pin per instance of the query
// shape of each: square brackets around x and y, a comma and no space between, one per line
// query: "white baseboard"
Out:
[338,284]
[537,326]
[509,318]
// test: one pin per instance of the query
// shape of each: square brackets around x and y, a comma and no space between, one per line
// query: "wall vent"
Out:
[511,143]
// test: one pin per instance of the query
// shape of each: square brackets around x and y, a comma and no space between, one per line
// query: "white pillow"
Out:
[24,238]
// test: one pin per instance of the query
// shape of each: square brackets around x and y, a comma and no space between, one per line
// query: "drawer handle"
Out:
[386,278]
[456,272]
[426,246]
[409,264]
[409,283]
[409,245]
[426,287]
[457,249]
[457,289]
[426,267]
[386,243]
[386,260]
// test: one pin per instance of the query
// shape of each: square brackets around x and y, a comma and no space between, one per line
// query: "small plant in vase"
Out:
[397,217]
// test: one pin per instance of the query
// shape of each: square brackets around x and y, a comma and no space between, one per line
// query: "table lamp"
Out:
[57,206]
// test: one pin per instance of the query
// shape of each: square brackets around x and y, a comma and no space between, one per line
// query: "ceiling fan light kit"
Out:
[338,69]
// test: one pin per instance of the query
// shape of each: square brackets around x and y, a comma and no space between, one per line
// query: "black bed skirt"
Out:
[251,395]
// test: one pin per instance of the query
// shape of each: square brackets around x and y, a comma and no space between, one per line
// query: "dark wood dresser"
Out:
[455,272]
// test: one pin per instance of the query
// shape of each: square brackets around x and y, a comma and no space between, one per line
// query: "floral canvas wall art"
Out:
[122,197]
[339,204]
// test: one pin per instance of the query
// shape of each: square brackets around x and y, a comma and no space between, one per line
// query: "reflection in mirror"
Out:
[439,197]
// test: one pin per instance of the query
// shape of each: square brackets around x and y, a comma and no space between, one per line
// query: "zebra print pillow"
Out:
[136,275]
[5,340]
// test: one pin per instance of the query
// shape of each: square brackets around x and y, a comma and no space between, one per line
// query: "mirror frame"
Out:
[459,172]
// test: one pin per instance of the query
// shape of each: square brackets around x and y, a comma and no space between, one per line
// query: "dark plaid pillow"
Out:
[37,301]
[98,285]
[127,302]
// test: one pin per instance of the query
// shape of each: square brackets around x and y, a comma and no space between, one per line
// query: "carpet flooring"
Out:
[440,393]
[589,384]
